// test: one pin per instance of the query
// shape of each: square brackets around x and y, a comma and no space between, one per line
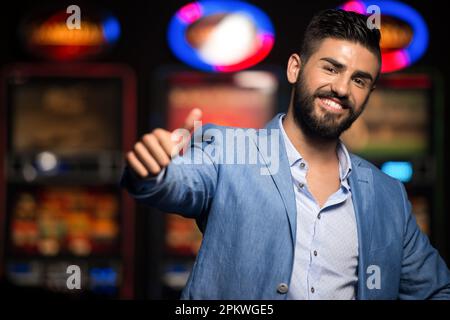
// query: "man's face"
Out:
[333,87]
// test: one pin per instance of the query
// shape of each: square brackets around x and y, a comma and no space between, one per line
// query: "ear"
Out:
[293,68]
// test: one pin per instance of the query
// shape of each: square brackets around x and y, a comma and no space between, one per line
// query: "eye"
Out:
[330,69]
[360,82]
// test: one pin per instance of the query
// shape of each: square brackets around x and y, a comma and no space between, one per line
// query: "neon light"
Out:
[267,44]
[111,29]
[400,170]
[53,39]
[355,6]
[194,11]
[57,34]
[190,13]
[401,58]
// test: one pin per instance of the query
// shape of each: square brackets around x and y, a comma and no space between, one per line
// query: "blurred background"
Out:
[81,81]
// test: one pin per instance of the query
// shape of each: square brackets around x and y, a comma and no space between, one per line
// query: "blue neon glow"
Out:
[404,12]
[178,26]
[20,268]
[401,170]
[103,275]
[111,29]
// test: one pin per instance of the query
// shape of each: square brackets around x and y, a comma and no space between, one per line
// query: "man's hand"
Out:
[155,150]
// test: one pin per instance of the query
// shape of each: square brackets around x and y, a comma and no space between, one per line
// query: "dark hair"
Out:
[339,24]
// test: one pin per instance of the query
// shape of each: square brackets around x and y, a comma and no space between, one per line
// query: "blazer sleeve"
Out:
[424,274]
[186,186]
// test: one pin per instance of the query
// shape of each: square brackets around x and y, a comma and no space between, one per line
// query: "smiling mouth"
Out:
[332,105]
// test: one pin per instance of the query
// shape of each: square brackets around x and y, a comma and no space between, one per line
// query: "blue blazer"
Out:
[248,222]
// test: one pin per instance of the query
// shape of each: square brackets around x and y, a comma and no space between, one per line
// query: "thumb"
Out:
[194,115]
[181,136]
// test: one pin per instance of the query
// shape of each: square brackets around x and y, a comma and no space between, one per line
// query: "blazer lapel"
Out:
[361,184]
[282,177]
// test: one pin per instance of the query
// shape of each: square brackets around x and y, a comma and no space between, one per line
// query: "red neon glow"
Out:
[266,40]
[190,13]
[410,81]
[394,60]
[354,6]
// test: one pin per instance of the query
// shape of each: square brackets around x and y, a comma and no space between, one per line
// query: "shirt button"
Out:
[302,165]
[312,290]
[315,253]
[282,288]
[301,185]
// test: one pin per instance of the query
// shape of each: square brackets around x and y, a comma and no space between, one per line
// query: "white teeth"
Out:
[332,104]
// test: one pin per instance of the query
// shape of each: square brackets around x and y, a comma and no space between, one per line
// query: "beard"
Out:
[328,126]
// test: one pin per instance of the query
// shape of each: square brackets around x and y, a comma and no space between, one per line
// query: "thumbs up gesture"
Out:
[155,150]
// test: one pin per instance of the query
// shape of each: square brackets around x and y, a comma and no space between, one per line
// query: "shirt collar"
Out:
[293,155]
[345,164]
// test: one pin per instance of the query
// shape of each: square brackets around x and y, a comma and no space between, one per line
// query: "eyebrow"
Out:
[340,66]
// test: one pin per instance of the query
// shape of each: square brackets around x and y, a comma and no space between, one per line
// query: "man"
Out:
[324,224]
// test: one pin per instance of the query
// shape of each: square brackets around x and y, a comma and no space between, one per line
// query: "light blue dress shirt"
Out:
[326,248]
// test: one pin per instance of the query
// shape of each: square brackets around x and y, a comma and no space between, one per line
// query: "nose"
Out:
[341,86]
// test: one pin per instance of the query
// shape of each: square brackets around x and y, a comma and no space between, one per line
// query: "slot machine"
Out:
[64,131]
